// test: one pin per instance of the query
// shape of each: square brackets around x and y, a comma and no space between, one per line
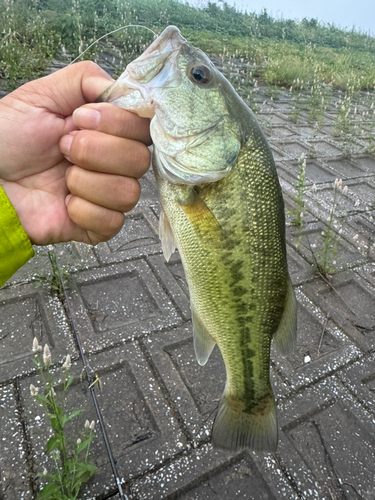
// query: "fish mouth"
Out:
[155,68]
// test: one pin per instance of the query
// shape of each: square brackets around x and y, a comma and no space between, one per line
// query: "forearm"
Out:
[15,246]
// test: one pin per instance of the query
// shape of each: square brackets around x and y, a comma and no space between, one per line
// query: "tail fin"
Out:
[235,429]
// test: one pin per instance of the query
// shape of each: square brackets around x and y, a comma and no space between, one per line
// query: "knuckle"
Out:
[72,175]
[144,159]
[132,193]
[114,224]
[80,148]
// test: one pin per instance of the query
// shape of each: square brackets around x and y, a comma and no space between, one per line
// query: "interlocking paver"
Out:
[327,442]
[350,304]
[132,312]
[25,313]
[118,303]
[206,474]
[13,468]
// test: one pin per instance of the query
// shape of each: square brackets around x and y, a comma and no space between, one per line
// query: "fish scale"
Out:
[223,209]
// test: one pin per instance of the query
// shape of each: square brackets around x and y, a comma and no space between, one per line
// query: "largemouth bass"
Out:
[223,209]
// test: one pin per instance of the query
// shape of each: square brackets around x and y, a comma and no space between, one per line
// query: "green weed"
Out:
[299,199]
[72,468]
[325,258]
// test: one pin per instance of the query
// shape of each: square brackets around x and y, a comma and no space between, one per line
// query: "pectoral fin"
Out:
[165,234]
[286,334]
[203,342]
[198,213]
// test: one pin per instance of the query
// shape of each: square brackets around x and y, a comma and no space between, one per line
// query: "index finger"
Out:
[110,119]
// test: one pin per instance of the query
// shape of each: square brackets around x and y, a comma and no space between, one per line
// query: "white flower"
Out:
[313,189]
[355,237]
[47,356]
[357,203]
[34,390]
[345,190]
[45,471]
[35,345]
[87,424]
[79,441]
[52,392]
[337,184]
[68,362]
[92,425]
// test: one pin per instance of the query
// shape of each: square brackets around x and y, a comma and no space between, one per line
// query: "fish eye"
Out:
[200,74]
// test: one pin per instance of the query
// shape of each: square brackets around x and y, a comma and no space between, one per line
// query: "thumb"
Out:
[68,88]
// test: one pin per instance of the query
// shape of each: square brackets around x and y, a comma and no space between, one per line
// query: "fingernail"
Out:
[86,118]
[65,145]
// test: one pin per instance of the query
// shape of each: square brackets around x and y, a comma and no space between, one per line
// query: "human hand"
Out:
[70,177]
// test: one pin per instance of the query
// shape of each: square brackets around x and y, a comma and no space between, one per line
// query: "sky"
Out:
[344,13]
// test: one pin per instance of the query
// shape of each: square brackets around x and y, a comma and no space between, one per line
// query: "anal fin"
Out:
[286,334]
[166,236]
[203,342]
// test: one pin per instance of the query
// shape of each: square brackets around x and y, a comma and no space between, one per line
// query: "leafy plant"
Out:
[72,468]
[52,280]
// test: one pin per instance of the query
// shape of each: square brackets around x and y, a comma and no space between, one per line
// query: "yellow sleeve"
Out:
[15,246]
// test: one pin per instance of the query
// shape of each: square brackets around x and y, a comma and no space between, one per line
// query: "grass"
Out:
[32,32]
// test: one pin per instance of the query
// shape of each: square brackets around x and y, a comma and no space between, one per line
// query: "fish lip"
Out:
[160,53]
[192,132]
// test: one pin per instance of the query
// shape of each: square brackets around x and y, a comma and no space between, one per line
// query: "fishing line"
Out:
[90,380]
[110,33]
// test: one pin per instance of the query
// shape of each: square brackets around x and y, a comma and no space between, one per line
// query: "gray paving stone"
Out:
[75,256]
[278,155]
[140,425]
[346,168]
[25,313]
[321,347]
[206,474]
[281,132]
[367,162]
[299,269]
[324,148]
[72,256]
[172,276]
[364,190]
[327,442]
[359,378]
[365,230]
[138,238]
[316,172]
[14,484]
[350,304]
[367,272]
[309,131]
[39,265]
[294,149]
[311,241]
[118,303]
[274,118]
